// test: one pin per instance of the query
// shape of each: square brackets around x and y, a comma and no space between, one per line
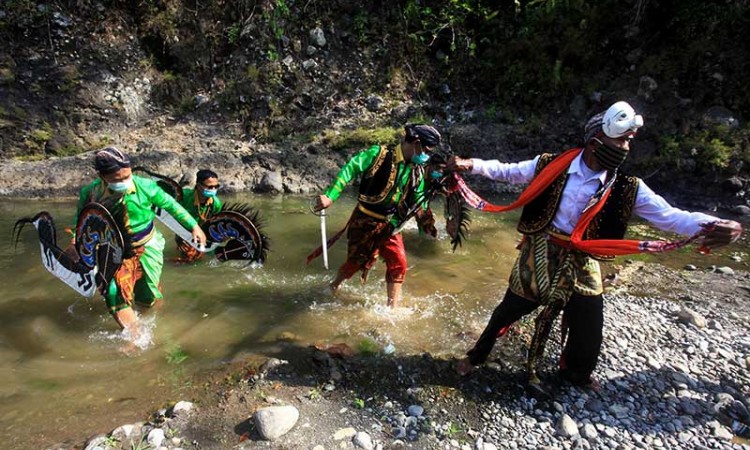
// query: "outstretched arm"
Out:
[659,213]
[515,173]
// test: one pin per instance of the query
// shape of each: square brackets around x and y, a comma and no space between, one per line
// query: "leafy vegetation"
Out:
[368,347]
[359,138]
[176,355]
[709,149]
[525,57]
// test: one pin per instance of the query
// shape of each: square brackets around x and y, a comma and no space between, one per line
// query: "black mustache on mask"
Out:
[610,158]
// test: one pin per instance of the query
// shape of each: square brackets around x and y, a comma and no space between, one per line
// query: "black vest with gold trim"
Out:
[376,188]
[377,182]
[610,223]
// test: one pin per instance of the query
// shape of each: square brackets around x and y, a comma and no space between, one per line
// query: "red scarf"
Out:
[610,247]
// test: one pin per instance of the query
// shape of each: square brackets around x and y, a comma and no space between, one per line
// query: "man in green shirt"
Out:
[391,190]
[201,202]
[138,277]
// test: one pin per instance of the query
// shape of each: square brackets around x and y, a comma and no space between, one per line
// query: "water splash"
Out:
[144,339]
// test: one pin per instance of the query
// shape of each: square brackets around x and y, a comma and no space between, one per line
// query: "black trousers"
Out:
[585,318]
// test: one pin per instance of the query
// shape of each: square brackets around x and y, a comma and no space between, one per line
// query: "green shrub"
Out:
[359,138]
[368,347]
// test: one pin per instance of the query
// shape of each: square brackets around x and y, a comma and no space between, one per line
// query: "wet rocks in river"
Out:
[662,386]
[275,421]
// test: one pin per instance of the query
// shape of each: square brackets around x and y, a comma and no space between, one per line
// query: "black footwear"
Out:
[735,416]
[580,381]
[536,389]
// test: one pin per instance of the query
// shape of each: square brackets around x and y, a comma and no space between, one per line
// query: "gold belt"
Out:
[370,213]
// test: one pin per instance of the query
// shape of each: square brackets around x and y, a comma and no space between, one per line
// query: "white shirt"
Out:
[582,185]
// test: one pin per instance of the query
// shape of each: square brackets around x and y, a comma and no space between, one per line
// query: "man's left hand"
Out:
[724,232]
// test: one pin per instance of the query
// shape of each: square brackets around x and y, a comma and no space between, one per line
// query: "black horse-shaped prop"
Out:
[91,262]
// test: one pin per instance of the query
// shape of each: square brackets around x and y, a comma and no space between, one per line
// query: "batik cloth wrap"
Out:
[137,280]
[369,238]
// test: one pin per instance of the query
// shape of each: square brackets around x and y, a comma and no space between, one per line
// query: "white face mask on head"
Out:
[121,186]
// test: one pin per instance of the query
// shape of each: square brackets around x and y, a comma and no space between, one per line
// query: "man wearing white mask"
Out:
[137,280]
[583,204]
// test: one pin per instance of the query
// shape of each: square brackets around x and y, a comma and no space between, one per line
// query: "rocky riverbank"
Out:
[178,149]
[676,350]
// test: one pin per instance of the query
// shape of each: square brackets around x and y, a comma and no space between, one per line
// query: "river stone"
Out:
[415,410]
[589,431]
[155,437]
[594,405]
[488,446]
[344,433]
[96,442]
[374,103]
[566,426]
[726,270]
[733,184]
[318,37]
[722,433]
[309,64]
[122,432]
[275,421]
[690,317]
[363,440]
[182,407]
[271,182]
[619,411]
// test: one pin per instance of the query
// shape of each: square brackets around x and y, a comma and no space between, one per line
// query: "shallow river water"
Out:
[64,375]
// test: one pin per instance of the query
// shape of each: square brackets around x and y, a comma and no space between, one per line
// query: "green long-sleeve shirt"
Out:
[138,202]
[361,162]
[200,212]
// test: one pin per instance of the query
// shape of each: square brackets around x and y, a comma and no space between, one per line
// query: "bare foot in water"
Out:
[464,367]
[329,291]
[129,348]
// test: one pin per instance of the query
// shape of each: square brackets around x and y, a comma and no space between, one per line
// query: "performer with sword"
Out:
[392,182]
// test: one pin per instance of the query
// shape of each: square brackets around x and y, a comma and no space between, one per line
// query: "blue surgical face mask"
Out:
[209,192]
[436,174]
[121,186]
[420,159]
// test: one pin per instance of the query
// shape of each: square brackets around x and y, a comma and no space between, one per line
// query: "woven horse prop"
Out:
[91,262]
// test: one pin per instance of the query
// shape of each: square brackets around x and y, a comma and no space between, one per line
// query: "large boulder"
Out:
[275,421]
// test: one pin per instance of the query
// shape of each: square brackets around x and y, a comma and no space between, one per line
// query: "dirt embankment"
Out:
[274,95]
